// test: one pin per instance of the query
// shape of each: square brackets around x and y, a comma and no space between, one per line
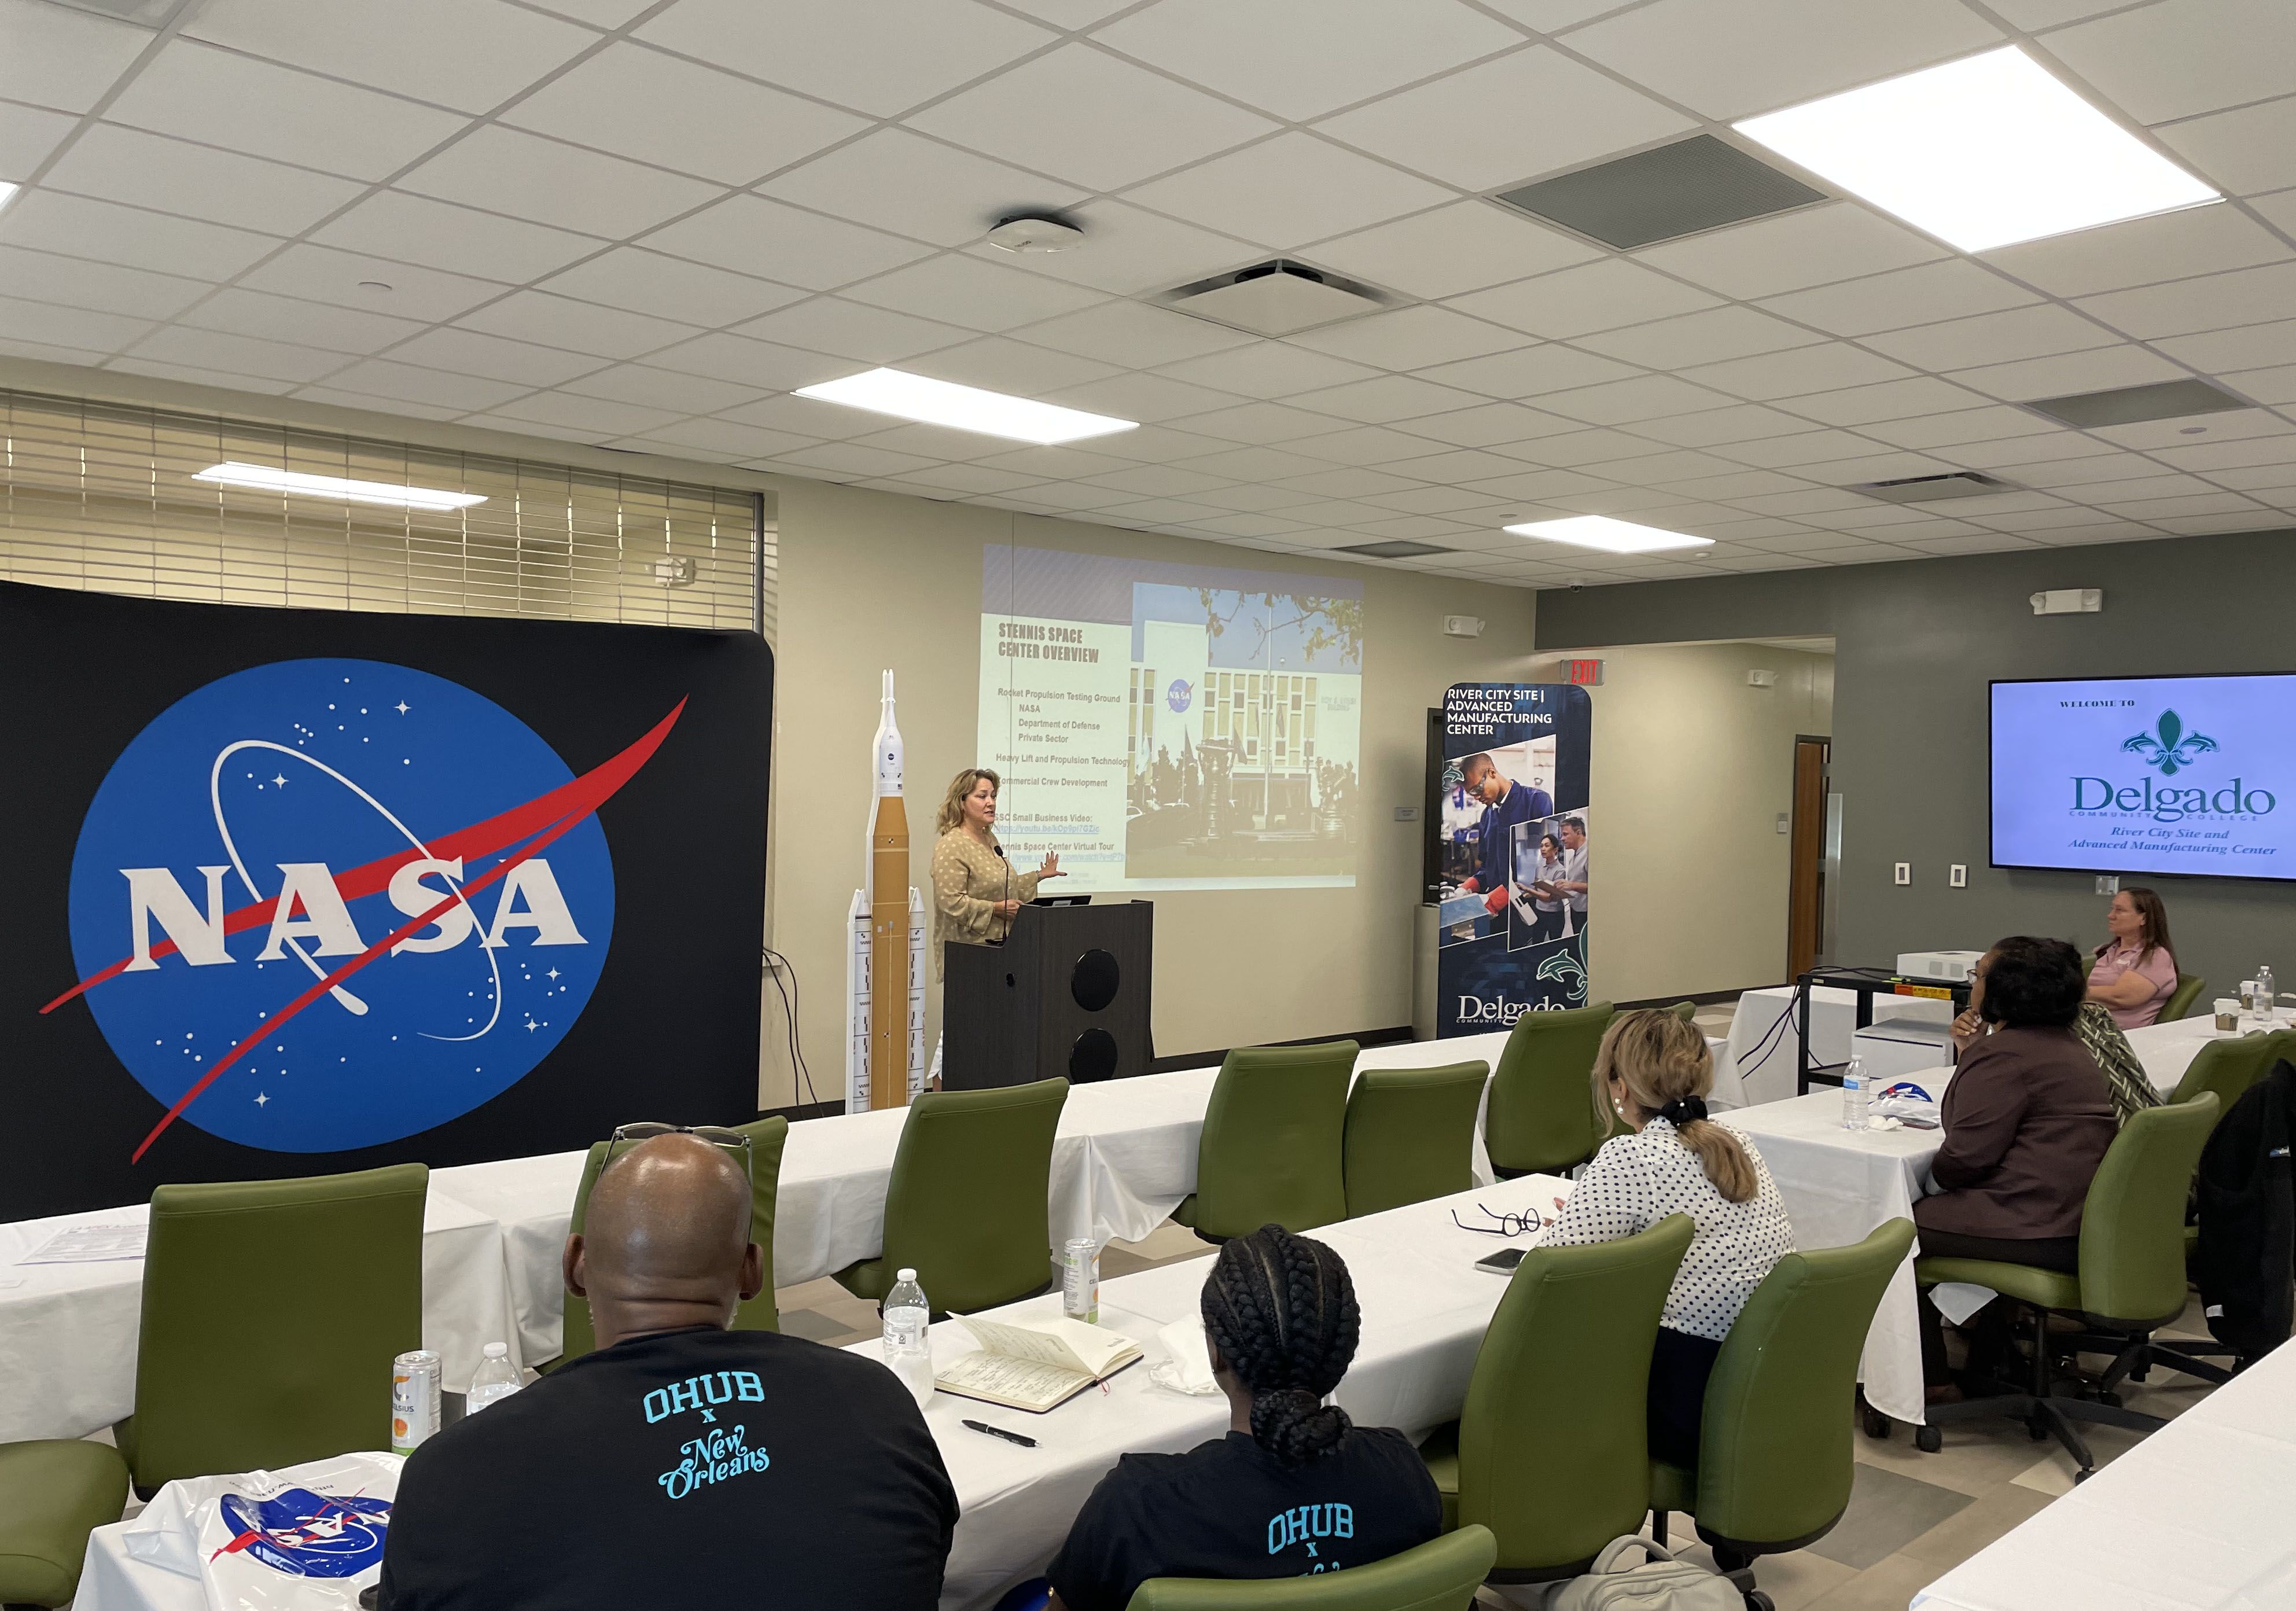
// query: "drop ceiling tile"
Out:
[393,45]
[967,480]
[1989,337]
[999,363]
[671,392]
[382,378]
[1448,469]
[102,287]
[2259,520]
[1090,117]
[2085,474]
[214,349]
[321,274]
[1337,514]
[196,92]
[1246,497]
[1712,427]
[2276,385]
[1300,59]
[656,108]
[1251,525]
[1574,448]
[472,352]
[1648,396]
[2142,251]
[28,134]
[279,318]
[1288,190]
[1130,251]
[262,385]
[902,182]
[1534,484]
[1506,120]
[1714,335]
[1928,294]
[1268,369]
[438,235]
[1993,423]
[2233,426]
[1491,424]
[549,183]
[2207,458]
[723,438]
[1574,301]
[750,235]
[1152,444]
[880,56]
[2182,57]
[2225,351]
[1387,399]
[1463,247]
[2010,459]
[172,176]
[1774,376]
[2266,481]
[1728,58]
[2205,503]
[1257,464]
[965,290]
[1804,448]
[851,460]
[1887,400]
[1431,500]
[1412,338]
[2095,370]
[2244,152]
[1668,469]
[12,318]
[748,363]
[633,278]
[1132,334]
[62,59]
[804,416]
[852,330]
[536,315]
[1259,423]
[1157,481]
[1812,246]
[49,220]
[1142,397]
[2213,301]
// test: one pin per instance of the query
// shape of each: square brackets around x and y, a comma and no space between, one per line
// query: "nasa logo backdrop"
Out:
[297,891]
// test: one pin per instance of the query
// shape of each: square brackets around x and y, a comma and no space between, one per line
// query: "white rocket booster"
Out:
[886,1063]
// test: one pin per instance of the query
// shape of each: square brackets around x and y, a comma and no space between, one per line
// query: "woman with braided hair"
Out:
[1294,1487]
[1652,1074]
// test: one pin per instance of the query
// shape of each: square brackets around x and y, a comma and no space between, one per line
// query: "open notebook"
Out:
[1034,1365]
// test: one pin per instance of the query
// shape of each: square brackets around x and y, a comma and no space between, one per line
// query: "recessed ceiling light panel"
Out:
[8,191]
[931,402]
[263,478]
[1611,536]
[1982,152]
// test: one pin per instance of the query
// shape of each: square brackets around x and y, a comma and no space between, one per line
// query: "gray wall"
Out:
[1916,644]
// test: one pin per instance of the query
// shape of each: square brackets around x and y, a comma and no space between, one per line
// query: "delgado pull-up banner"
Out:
[295,891]
[1511,815]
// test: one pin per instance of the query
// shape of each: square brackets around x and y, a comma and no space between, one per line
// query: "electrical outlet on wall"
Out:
[1785,824]
[1956,876]
[1905,873]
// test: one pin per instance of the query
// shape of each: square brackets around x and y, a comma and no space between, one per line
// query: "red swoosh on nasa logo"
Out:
[541,821]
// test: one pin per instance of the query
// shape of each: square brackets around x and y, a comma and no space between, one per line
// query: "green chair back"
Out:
[2132,1234]
[1687,1011]
[1774,1459]
[768,1137]
[966,1207]
[1273,1141]
[1411,1134]
[239,1370]
[1438,1576]
[2229,1067]
[53,1492]
[1542,1111]
[2181,1000]
[1553,1451]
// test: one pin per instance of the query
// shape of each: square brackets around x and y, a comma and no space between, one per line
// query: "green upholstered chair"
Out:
[1438,1576]
[768,1137]
[2229,1067]
[1773,1448]
[1411,1134]
[314,1355]
[1551,1450]
[53,1493]
[2131,1281]
[1273,1142]
[1542,1110]
[966,1207]
[1687,1011]
[2181,1000]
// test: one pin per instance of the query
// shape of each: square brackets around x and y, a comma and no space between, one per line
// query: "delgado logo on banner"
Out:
[324,904]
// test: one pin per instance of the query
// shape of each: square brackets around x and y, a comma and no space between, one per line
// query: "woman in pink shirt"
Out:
[2134,972]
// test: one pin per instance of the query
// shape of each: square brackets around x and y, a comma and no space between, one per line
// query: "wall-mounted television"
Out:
[2160,775]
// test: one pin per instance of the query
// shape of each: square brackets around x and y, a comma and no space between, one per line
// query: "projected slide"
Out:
[2146,775]
[1172,727]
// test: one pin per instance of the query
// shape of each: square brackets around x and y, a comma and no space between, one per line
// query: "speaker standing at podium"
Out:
[976,891]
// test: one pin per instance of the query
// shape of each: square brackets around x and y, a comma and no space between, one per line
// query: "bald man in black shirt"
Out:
[681,1464]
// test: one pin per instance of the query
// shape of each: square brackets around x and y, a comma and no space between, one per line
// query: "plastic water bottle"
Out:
[496,1379]
[1853,1096]
[2264,996]
[907,1341]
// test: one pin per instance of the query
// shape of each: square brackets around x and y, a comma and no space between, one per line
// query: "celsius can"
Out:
[415,1385]
[1080,1279]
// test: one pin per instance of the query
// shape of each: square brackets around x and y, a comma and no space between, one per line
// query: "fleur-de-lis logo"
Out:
[2168,746]
[1565,968]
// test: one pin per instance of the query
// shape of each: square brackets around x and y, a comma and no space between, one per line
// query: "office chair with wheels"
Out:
[1273,1142]
[1541,1119]
[1442,1576]
[1411,1135]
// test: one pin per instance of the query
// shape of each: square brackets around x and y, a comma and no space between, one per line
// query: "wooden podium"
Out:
[1066,995]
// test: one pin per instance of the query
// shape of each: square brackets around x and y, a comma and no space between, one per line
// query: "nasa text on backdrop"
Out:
[309,891]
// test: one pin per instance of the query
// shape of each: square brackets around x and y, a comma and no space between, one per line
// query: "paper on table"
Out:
[90,1244]
[1186,1365]
[1070,1344]
[1025,1384]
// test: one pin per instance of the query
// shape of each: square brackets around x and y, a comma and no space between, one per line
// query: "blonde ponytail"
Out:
[1663,1062]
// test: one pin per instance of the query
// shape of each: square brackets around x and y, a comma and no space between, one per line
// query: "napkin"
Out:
[1186,1363]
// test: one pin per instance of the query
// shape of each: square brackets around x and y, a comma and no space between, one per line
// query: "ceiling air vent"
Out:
[1394,548]
[1930,489]
[2137,404]
[1275,298]
[1677,190]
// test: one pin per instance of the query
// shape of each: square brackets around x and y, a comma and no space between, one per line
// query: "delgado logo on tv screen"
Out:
[2170,748]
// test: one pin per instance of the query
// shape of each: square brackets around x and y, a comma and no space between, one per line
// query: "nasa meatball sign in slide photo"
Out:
[297,891]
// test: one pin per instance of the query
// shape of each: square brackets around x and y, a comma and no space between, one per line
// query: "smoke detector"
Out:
[1034,232]
[1275,298]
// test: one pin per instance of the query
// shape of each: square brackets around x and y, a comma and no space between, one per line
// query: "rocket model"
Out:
[885,1031]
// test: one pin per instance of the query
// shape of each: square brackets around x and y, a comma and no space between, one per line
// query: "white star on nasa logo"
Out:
[261,1099]
[280,782]
[400,707]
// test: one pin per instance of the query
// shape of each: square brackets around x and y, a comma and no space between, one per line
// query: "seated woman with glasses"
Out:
[1654,1074]
[1294,1487]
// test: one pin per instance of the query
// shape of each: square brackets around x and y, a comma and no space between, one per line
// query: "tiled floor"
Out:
[1911,1514]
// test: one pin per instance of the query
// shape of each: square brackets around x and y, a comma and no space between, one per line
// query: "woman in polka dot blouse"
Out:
[1653,1073]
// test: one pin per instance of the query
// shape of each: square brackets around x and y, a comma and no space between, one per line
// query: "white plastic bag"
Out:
[307,1538]
[1185,1364]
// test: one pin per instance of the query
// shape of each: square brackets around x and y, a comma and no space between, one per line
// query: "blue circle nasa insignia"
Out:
[1178,693]
[308,1534]
[260,842]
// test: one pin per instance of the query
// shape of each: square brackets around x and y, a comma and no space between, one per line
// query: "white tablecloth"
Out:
[68,1332]
[1765,1051]
[2193,1518]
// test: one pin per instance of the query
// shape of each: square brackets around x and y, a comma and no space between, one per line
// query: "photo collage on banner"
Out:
[1512,835]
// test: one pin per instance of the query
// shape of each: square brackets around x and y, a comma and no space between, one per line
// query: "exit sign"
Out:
[1584,673]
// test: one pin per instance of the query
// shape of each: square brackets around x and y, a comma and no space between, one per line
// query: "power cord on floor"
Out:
[776,965]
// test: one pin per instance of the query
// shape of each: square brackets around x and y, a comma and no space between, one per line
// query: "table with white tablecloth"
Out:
[1765,1053]
[2193,1518]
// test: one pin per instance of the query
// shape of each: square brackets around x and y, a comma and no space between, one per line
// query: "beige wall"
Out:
[872,579]
[1691,768]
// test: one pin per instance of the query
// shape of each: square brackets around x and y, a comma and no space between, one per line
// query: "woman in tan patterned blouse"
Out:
[976,891]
